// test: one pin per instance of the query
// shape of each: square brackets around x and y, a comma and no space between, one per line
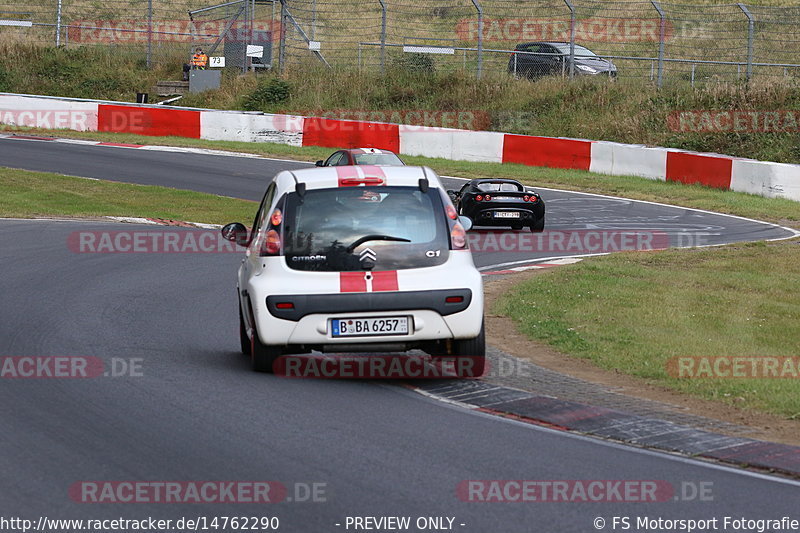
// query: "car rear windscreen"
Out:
[377,159]
[493,186]
[355,228]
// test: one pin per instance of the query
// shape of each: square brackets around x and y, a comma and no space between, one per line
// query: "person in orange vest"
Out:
[199,61]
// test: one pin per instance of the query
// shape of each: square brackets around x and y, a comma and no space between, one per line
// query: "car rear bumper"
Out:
[303,305]
[303,316]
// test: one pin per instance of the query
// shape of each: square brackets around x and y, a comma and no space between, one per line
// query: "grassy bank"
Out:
[633,312]
[780,211]
[630,111]
[26,194]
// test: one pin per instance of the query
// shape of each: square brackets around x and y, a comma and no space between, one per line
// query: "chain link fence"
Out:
[158,31]
[644,39]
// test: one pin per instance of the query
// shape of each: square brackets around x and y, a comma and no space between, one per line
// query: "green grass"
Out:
[786,212]
[26,194]
[632,312]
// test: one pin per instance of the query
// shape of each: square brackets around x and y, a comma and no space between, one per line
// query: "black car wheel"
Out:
[475,350]
[244,338]
[538,226]
[263,356]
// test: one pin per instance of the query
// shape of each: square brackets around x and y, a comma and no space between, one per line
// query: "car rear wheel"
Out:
[263,356]
[244,338]
[538,226]
[475,350]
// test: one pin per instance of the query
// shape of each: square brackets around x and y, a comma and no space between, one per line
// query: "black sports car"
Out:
[499,202]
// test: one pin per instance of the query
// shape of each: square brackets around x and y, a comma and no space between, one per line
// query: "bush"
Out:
[415,62]
[6,83]
[272,92]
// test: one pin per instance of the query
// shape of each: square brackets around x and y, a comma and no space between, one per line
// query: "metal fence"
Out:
[645,39]
[158,31]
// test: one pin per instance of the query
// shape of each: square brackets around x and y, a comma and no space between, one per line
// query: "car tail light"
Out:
[487,198]
[366,180]
[276,218]
[454,299]
[451,212]
[526,198]
[533,198]
[458,237]
[479,197]
[272,244]
[284,305]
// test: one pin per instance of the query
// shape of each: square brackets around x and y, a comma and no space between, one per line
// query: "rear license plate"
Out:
[506,214]
[505,198]
[370,327]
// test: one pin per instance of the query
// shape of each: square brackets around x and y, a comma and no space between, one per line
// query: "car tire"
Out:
[475,349]
[244,338]
[538,226]
[263,356]
[516,227]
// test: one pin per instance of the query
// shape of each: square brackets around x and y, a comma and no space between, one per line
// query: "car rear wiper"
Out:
[367,238]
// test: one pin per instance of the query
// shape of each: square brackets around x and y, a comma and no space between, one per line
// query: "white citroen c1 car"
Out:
[358,258]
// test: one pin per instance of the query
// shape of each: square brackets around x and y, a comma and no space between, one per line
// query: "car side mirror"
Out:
[320,163]
[235,232]
[465,222]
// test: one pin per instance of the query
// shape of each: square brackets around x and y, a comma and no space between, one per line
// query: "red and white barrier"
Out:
[458,145]
[629,160]
[48,113]
[251,127]
[774,180]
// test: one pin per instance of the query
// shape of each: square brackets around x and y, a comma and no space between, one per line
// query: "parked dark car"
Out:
[361,156]
[538,59]
[499,202]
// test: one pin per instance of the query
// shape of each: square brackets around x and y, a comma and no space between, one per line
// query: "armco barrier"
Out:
[458,145]
[547,152]
[711,170]
[48,113]
[629,160]
[148,120]
[350,134]
[251,127]
[773,180]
